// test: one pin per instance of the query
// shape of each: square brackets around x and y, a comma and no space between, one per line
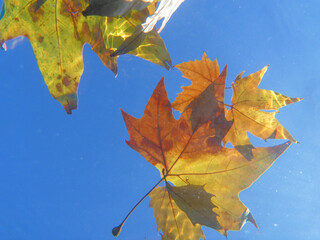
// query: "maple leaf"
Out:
[205,96]
[201,74]
[57,31]
[254,110]
[207,178]
[247,112]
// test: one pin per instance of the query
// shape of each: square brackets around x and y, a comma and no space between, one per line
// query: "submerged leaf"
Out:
[196,203]
[57,31]
[175,208]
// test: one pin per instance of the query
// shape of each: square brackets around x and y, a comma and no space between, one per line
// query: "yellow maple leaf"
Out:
[253,110]
[57,31]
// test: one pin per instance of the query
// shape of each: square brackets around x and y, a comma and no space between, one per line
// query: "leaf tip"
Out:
[204,55]
[69,102]
[168,64]
[224,71]
[159,86]
[125,115]
[298,99]
[239,76]
[263,70]
[252,220]
[161,82]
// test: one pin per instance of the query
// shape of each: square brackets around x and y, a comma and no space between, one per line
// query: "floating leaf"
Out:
[57,31]
[205,96]
[207,178]
[250,111]
[201,74]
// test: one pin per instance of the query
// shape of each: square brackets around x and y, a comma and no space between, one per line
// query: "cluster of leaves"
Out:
[202,177]
[58,30]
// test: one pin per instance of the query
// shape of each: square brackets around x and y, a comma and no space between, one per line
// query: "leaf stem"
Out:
[228,105]
[116,230]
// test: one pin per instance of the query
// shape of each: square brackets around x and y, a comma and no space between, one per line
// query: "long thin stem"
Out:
[116,230]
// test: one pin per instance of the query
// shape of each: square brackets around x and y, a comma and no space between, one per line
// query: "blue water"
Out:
[74,177]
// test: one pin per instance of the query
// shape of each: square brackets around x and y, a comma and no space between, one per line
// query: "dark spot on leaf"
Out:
[145,142]
[183,126]
[65,10]
[40,39]
[211,141]
[99,45]
[167,145]
[66,81]
[59,87]
[76,35]
[35,13]
[86,31]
